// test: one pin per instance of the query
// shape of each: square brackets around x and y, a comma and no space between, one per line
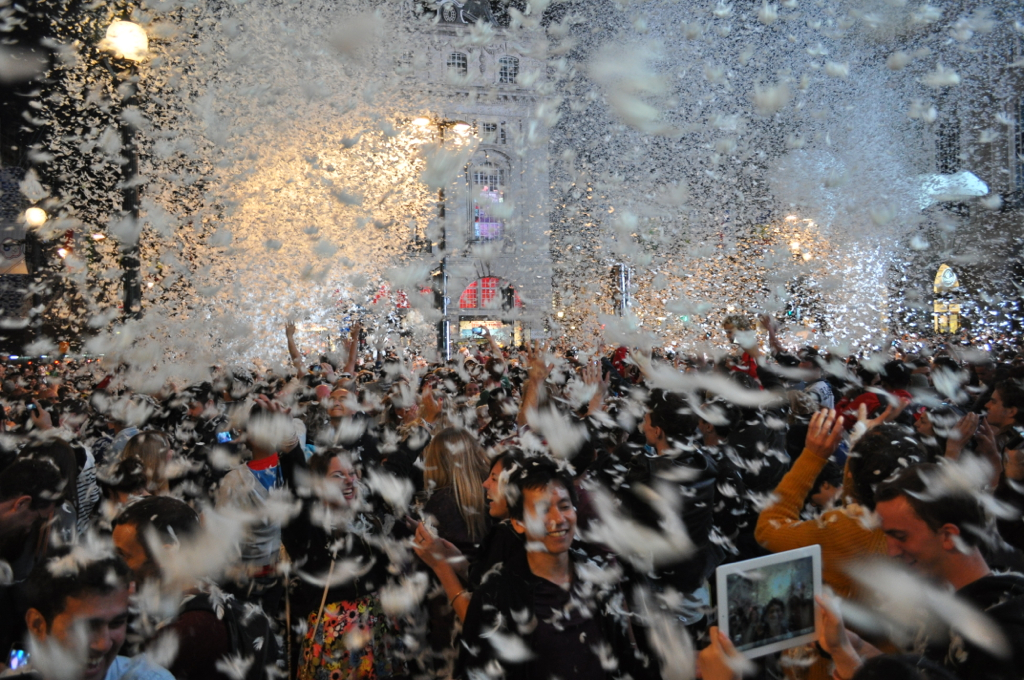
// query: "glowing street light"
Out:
[462,129]
[98,237]
[127,40]
[35,217]
[421,122]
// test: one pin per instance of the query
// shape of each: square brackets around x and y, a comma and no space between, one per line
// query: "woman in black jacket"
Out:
[334,545]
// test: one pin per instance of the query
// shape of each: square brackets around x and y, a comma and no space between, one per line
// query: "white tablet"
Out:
[767,604]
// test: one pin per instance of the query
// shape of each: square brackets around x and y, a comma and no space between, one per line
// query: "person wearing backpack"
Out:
[216,634]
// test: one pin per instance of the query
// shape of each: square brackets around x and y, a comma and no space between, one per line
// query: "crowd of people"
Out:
[527,512]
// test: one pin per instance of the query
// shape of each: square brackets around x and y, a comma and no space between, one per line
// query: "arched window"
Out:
[946,306]
[486,293]
[458,63]
[508,70]
[488,194]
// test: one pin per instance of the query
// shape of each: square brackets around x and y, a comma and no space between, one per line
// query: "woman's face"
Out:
[343,476]
[774,616]
[497,505]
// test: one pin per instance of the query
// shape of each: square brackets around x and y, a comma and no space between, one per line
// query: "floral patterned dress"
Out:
[354,640]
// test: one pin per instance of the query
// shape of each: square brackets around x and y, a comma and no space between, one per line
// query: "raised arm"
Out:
[772,326]
[353,349]
[779,526]
[537,373]
[293,349]
[495,350]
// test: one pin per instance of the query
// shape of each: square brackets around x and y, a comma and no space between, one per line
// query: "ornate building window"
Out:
[493,133]
[487,189]
[458,63]
[486,293]
[508,70]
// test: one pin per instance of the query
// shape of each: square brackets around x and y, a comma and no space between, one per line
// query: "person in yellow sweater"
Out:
[848,533]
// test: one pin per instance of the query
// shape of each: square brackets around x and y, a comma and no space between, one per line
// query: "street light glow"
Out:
[35,217]
[127,40]
[62,252]
[421,122]
[98,237]
[462,128]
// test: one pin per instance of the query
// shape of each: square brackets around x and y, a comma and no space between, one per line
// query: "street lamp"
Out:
[35,217]
[444,331]
[127,42]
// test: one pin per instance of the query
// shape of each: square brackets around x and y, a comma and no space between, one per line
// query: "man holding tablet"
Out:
[937,536]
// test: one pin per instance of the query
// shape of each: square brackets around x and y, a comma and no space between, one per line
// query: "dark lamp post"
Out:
[444,332]
[127,42]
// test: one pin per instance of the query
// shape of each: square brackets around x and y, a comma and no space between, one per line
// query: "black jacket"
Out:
[1001,597]
[505,602]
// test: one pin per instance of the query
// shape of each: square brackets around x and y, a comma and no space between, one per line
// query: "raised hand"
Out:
[720,660]
[824,433]
[961,434]
[834,638]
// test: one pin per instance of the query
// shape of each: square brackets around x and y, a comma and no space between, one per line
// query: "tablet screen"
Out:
[767,604]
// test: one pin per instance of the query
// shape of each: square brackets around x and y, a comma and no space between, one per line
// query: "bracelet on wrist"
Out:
[457,596]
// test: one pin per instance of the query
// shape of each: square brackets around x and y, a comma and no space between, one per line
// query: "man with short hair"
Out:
[78,614]
[29,492]
[204,638]
[939,536]
[1005,409]
[547,622]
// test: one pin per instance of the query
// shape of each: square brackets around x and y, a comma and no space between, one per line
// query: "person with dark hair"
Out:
[561,640]
[247,488]
[89,594]
[63,456]
[1005,408]
[895,380]
[29,492]
[204,635]
[154,518]
[843,533]
[669,428]
[827,486]
[344,631]
[938,534]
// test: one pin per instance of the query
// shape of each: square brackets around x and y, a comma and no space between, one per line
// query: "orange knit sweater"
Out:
[845,534]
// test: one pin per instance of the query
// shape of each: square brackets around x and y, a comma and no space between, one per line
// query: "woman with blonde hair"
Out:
[455,468]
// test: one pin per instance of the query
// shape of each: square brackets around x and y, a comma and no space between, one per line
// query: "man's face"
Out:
[21,516]
[338,409]
[497,504]
[102,618]
[651,433]
[730,331]
[909,538]
[549,518]
[130,548]
[998,415]
[826,494]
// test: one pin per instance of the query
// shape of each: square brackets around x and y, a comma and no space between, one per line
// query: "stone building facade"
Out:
[495,227]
